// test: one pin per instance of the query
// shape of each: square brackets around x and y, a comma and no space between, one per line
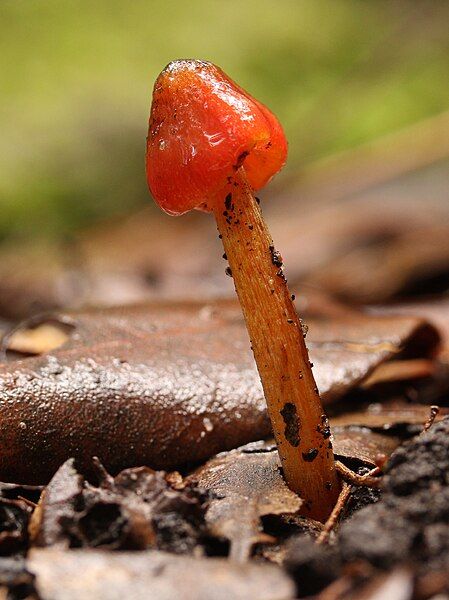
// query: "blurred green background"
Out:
[76,80]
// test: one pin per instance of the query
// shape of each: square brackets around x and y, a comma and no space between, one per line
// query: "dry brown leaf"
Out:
[249,485]
[362,445]
[14,577]
[357,244]
[136,510]
[387,416]
[400,263]
[32,279]
[166,384]
[400,370]
[433,310]
[14,515]
[38,339]
[90,575]
[122,261]
[397,584]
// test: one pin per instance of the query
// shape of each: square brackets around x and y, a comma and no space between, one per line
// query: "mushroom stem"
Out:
[277,337]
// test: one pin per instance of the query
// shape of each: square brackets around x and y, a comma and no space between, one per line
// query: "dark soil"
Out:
[408,526]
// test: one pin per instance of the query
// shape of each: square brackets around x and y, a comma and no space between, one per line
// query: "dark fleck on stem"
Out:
[310,455]
[292,424]
[276,257]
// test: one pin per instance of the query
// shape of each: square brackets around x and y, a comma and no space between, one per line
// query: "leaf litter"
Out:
[138,509]
[167,384]
[238,496]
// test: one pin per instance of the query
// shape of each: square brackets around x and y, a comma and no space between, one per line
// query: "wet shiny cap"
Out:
[203,127]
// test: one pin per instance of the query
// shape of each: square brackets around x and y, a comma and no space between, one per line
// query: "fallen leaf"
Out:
[348,230]
[34,277]
[90,575]
[138,258]
[14,516]
[401,263]
[355,238]
[16,491]
[37,339]
[57,507]
[433,310]
[400,370]
[122,261]
[398,584]
[15,580]
[387,416]
[16,506]
[166,384]
[137,509]
[362,445]
[248,485]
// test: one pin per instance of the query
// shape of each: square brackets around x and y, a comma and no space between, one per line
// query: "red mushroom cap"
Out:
[203,127]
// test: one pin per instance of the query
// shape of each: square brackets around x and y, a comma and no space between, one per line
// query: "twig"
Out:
[27,501]
[368,480]
[349,479]
[335,514]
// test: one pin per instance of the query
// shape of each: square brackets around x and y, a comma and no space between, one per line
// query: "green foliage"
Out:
[76,79]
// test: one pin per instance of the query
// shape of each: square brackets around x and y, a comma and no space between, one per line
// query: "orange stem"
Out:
[299,423]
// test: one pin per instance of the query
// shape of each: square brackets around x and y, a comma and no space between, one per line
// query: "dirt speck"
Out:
[310,455]
[292,424]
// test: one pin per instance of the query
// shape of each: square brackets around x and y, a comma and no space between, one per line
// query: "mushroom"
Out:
[210,145]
